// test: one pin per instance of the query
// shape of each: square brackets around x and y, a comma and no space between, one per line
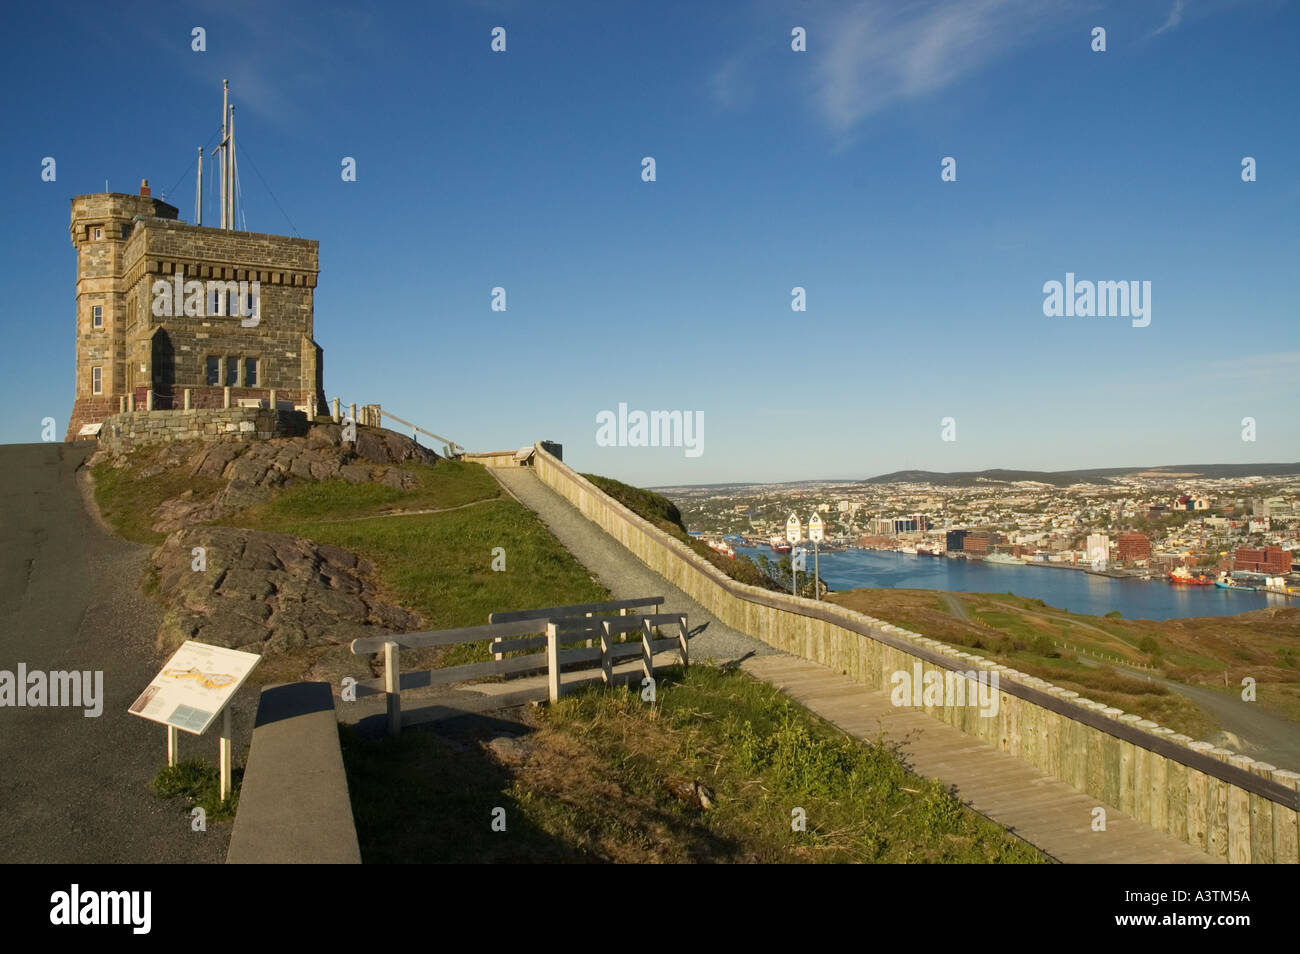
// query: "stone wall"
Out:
[121,432]
[1230,806]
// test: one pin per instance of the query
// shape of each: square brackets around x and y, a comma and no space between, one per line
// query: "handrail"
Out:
[452,446]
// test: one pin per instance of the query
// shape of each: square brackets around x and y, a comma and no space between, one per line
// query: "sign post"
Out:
[193,689]
[816,533]
[793,533]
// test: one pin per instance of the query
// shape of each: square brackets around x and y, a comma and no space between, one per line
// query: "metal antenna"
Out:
[198,193]
[225,159]
[233,167]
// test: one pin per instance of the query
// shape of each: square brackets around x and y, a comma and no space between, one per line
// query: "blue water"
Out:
[1072,590]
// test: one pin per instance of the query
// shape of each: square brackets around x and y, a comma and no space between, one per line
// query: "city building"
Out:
[1133,547]
[1273,561]
[1098,548]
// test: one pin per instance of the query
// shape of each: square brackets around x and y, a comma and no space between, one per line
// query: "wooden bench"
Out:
[522,636]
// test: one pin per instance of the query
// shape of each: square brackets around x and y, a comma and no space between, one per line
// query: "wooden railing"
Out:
[550,630]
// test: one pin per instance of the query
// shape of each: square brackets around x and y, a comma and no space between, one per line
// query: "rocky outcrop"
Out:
[268,592]
[252,470]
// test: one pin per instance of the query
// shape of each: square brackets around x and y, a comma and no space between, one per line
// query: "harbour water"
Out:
[1074,590]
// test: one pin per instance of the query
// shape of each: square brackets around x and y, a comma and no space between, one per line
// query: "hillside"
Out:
[308,543]
[1096,655]
[1064,478]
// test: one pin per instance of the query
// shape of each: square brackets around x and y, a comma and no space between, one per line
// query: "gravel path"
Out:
[623,574]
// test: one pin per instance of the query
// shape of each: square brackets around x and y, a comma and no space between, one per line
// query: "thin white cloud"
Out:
[877,54]
[1175,18]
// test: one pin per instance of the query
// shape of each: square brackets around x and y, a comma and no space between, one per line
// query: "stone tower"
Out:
[136,339]
[101,226]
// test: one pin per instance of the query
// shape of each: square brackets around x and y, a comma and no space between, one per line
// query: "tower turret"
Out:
[100,228]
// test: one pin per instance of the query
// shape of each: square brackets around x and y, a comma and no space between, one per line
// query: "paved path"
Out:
[626,577]
[76,789]
[1039,808]
[1042,810]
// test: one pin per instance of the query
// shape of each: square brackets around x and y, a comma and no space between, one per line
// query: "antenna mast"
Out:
[198,193]
[225,157]
[234,168]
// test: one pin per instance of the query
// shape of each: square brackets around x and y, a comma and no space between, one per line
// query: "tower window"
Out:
[99,234]
[232,372]
[97,316]
[250,372]
[214,371]
[96,380]
[126,231]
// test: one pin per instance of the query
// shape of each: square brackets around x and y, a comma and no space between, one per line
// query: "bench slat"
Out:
[441,677]
[445,637]
[559,612]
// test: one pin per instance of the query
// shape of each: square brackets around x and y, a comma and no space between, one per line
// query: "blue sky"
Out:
[775,169]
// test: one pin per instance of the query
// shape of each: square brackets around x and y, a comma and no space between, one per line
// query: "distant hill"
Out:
[1100,475]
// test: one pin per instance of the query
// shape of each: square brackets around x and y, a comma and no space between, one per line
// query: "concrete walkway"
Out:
[1039,808]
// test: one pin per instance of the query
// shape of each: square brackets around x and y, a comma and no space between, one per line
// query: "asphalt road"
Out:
[75,789]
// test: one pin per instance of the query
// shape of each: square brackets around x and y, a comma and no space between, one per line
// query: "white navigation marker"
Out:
[816,533]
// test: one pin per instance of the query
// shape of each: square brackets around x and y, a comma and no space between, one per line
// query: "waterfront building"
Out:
[1133,547]
[1273,561]
[1098,547]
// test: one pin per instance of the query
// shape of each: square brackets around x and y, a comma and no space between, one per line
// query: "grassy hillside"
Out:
[432,546]
[1080,652]
[602,776]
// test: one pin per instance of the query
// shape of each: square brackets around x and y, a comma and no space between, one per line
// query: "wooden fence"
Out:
[540,638]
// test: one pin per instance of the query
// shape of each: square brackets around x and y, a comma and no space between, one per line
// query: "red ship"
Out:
[1183,575]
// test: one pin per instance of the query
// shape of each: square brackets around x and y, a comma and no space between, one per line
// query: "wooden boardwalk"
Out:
[1039,808]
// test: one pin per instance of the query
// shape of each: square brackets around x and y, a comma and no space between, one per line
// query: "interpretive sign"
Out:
[195,685]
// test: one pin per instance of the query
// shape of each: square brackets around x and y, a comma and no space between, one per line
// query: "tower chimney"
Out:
[144,187]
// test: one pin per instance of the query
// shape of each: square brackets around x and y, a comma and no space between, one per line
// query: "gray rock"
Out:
[268,592]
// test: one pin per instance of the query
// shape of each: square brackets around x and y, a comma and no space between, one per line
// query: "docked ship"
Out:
[1225,582]
[1181,574]
[778,544]
[929,551]
[1004,559]
[721,546]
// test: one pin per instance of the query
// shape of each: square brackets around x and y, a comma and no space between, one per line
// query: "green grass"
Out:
[198,784]
[438,564]
[127,501]
[593,787]
[441,564]
[450,483]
